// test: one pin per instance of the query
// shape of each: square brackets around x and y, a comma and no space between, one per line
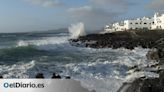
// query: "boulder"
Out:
[161,52]
[145,85]
[135,86]
[151,85]
[161,78]
[39,76]
[67,77]
[152,54]
[1,77]
[56,76]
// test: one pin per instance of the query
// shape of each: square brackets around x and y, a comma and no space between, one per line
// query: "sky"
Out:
[40,15]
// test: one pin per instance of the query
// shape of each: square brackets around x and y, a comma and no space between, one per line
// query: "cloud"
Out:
[90,11]
[95,14]
[98,13]
[104,2]
[93,17]
[156,4]
[113,3]
[45,3]
[80,11]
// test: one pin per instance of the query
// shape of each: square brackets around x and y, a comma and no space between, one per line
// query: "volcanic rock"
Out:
[56,76]
[40,76]
[152,54]
[1,77]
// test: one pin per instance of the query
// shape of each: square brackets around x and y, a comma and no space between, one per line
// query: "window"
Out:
[153,22]
[131,23]
[136,23]
[145,23]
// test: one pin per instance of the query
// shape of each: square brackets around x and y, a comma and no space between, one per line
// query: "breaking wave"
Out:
[102,74]
[18,70]
[98,65]
[111,67]
[43,41]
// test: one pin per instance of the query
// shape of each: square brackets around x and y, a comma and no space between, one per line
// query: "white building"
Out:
[156,22]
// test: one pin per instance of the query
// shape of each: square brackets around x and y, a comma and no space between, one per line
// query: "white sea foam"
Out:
[16,70]
[111,73]
[44,41]
[135,75]
[108,65]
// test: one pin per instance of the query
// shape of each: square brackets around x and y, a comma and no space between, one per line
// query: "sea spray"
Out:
[77,30]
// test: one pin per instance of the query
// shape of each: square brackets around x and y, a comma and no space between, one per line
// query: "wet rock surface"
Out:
[147,85]
[126,39]
[153,54]
[1,77]
[56,76]
[154,40]
[39,76]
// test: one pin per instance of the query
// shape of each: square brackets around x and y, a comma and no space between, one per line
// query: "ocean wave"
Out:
[14,54]
[111,73]
[18,70]
[107,65]
[43,41]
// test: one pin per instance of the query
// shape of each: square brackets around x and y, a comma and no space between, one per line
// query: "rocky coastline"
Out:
[126,39]
[151,39]
[144,84]
[154,40]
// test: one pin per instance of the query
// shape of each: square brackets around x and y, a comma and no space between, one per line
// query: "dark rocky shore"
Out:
[144,84]
[127,39]
[154,40]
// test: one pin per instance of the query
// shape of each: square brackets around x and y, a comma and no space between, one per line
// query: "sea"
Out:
[23,55]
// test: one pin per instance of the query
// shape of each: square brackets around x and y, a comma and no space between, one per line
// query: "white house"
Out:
[156,22]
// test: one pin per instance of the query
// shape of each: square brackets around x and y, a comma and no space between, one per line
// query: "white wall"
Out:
[139,24]
[162,21]
[156,22]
